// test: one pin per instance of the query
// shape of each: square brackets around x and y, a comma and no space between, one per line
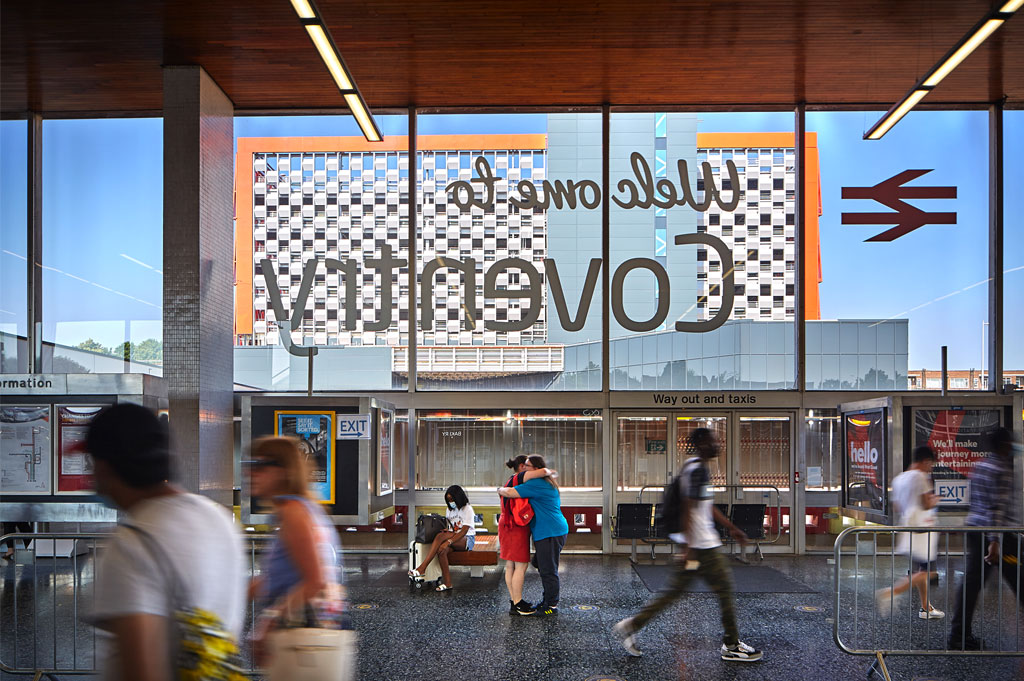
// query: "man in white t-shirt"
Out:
[913,496]
[172,549]
[702,558]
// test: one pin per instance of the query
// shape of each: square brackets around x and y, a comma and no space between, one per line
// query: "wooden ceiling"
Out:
[74,57]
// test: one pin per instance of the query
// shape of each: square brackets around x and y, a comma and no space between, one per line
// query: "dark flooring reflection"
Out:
[467,633]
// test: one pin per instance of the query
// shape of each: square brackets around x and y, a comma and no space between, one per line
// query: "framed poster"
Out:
[865,461]
[26,457]
[74,465]
[958,437]
[315,432]
[385,452]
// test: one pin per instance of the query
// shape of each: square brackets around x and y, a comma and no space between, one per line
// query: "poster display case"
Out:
[74,465]
[959,437]
[26,455]
[349,442]
[865,450]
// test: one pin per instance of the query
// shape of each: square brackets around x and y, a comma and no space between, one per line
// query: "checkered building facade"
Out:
[348,204]
[760,232]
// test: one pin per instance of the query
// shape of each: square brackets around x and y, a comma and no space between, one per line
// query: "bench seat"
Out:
[485,552]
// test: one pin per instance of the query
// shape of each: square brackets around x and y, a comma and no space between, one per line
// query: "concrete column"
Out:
[198,278]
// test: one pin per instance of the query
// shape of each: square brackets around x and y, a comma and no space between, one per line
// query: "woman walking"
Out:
[514,539]
[300,580]
[549,528]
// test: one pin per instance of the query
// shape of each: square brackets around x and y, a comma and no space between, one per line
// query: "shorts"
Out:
[515,543]
[923,566]
[470,542]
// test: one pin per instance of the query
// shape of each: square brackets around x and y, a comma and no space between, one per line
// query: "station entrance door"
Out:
[755,466]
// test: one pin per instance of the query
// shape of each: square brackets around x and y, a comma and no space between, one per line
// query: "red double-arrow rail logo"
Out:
[892,194]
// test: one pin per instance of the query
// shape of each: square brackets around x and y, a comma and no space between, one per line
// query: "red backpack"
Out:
[518,510]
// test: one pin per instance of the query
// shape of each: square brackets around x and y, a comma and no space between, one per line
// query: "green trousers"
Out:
[715,571]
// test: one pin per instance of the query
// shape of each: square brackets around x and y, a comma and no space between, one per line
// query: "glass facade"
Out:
[884,259]
[13,246]
[103,246]
[318,204]
[509,251]
[1013,249]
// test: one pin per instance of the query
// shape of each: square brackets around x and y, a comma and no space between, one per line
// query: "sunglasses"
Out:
[262,463]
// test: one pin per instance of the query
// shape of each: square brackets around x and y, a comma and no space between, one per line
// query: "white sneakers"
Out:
[932,613]
[740,652]
[624,630]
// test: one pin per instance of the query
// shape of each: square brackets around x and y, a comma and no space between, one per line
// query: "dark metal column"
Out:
[414,182]
[608,470]
[995,247]
[198,278]
[34,245]
[800,278]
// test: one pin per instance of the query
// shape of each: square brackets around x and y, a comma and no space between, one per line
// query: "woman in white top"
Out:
[460,535]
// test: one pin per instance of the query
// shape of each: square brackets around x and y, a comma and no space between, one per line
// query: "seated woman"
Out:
[461,535]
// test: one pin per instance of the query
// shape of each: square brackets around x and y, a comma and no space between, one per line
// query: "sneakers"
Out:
[511,607]
[522,608]
[932,613]
[547,610]
[740,652]
[624,630]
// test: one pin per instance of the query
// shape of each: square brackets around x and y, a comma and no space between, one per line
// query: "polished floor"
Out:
[467,633]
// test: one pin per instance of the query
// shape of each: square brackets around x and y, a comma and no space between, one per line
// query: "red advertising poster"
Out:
[74,466]
[958,437]
[865,460]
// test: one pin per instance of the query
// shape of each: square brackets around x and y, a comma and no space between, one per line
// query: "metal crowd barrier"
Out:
[45,597]
[755,532]
[869,623]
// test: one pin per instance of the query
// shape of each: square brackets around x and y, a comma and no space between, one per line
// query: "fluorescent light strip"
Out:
[965,51]
[362,117]
[330,57]
[899,112]
[1011,6]
[303,9]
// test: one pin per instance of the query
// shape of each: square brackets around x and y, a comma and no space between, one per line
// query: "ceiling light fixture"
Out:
[309,15]
[963,49]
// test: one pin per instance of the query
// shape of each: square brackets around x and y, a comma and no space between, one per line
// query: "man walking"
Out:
[991,506]
[172,550]
[697,520]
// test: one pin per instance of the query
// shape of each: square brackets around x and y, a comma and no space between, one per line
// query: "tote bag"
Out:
[922,547]
[309,654]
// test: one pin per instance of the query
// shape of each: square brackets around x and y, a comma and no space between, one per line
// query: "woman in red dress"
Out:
[514,540]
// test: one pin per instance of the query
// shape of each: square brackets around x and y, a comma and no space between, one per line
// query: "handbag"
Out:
[922,547]
[206,651]
[428,526]
[311,654]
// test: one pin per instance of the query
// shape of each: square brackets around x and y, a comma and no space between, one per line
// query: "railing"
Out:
[871,620]
[45,598]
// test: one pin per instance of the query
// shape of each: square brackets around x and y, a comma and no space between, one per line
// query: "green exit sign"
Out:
[657,445]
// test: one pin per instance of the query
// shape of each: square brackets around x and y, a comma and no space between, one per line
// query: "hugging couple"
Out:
[534,482]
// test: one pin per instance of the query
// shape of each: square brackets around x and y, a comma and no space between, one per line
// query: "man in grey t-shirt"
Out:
[172,550]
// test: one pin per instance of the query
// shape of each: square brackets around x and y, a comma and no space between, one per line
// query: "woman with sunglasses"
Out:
[300,578]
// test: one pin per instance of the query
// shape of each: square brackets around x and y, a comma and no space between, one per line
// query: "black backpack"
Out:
[671,506]
[428,526]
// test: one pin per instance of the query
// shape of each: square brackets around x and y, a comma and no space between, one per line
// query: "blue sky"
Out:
[103,216]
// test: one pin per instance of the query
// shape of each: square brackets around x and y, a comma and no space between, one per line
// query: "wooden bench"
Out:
[485,552]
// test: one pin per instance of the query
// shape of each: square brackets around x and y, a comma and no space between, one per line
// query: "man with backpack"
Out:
[690,493]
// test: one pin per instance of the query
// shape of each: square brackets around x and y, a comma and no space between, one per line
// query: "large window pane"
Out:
[13,248]
[103,245]
[471,448]
[912,288]
[311,189]
[723,183]
[1013,249]
[504,264]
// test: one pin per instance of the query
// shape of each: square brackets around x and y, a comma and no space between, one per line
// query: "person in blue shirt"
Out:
[548,527]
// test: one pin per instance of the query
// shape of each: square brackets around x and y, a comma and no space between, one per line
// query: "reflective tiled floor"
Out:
[409,635]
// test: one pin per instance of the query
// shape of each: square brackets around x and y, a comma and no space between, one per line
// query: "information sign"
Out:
[74,465]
